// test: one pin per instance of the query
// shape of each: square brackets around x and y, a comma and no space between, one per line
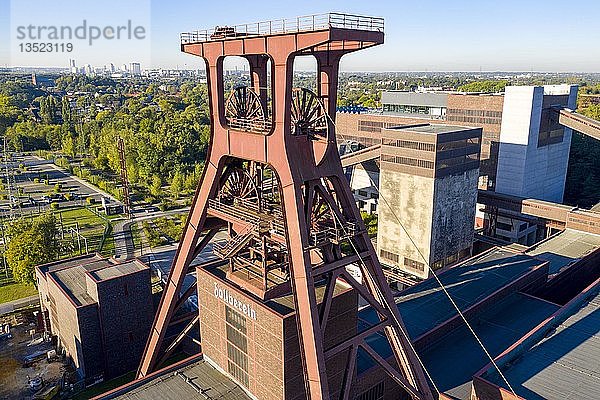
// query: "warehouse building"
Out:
[100,311]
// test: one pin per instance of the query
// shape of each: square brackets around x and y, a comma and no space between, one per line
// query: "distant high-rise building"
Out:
[429,179]
[135,68]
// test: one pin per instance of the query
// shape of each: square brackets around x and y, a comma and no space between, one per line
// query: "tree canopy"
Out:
[32,242]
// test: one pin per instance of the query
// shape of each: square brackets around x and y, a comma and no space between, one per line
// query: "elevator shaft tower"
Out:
[274,178]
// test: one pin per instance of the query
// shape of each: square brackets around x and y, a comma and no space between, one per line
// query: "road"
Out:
[124,246]
[7,308]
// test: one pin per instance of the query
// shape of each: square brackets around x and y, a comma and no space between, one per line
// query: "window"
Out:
[126,290]
[363,193]
[414,265]
[373,208]
[237,345]
[388,255]
[374,196]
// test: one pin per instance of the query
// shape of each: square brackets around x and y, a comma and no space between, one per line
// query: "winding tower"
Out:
[274,181]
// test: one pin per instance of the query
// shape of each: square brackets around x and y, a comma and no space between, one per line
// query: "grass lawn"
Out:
[83,216]
[15,291]
[91,226]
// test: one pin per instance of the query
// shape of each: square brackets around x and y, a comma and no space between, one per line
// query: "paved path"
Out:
[7,308]
[124,246]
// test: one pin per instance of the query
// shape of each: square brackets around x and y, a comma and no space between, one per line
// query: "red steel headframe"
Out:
[302,165]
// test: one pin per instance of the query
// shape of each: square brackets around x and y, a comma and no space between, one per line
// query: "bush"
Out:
[58,187]
[36,180]
[54,205]
[90,200]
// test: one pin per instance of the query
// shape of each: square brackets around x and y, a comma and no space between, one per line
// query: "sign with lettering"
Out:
[233,302]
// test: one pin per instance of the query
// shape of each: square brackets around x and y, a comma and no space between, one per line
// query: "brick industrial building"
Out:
[99,310]
[513,296]
[524,149]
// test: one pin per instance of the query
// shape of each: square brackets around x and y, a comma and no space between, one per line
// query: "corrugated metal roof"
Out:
[565,364]
[415,99]
[197,381]
[564,248]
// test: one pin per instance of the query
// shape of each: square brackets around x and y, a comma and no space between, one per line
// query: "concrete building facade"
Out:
[429,180]
[524,151]
[99,310]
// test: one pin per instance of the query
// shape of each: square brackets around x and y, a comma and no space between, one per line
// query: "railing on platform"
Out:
[336,234]
[290,25]
[250,125]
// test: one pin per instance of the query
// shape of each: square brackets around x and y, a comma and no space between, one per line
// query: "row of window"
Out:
[460,160]
[550,137]
[373,126]
[415,265]
[458,144]
[475,113]
[237,345]
[388,255]
[363,140]
[475,120]
[413,162]
[407,109]
[407,144]
[364,193]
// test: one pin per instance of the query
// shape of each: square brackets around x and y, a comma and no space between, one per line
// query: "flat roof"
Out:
[115,271]
[71,262]
[283,305]
[498,328]
[72,280]
[199,380]
[434,129]
[564,364]
[564,248]
[425,305]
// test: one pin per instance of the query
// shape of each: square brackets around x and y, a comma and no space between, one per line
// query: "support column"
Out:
[258,76]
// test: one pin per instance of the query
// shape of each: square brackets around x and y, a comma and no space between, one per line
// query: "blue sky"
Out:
[424,35]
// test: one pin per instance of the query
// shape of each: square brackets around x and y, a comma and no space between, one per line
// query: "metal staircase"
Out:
[237,243]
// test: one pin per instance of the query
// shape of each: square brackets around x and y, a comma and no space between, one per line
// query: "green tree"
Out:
[31,243]
[177,184]
[156,186]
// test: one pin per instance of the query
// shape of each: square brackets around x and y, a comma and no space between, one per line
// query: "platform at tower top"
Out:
[307,23]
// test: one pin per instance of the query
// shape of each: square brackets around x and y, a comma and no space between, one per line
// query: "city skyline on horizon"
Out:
[435,37]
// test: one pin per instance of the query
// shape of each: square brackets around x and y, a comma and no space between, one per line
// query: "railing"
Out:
[249,125]
[333,234]
[228,248]
[279,26]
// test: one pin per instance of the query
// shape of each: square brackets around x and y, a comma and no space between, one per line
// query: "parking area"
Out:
[40,183]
